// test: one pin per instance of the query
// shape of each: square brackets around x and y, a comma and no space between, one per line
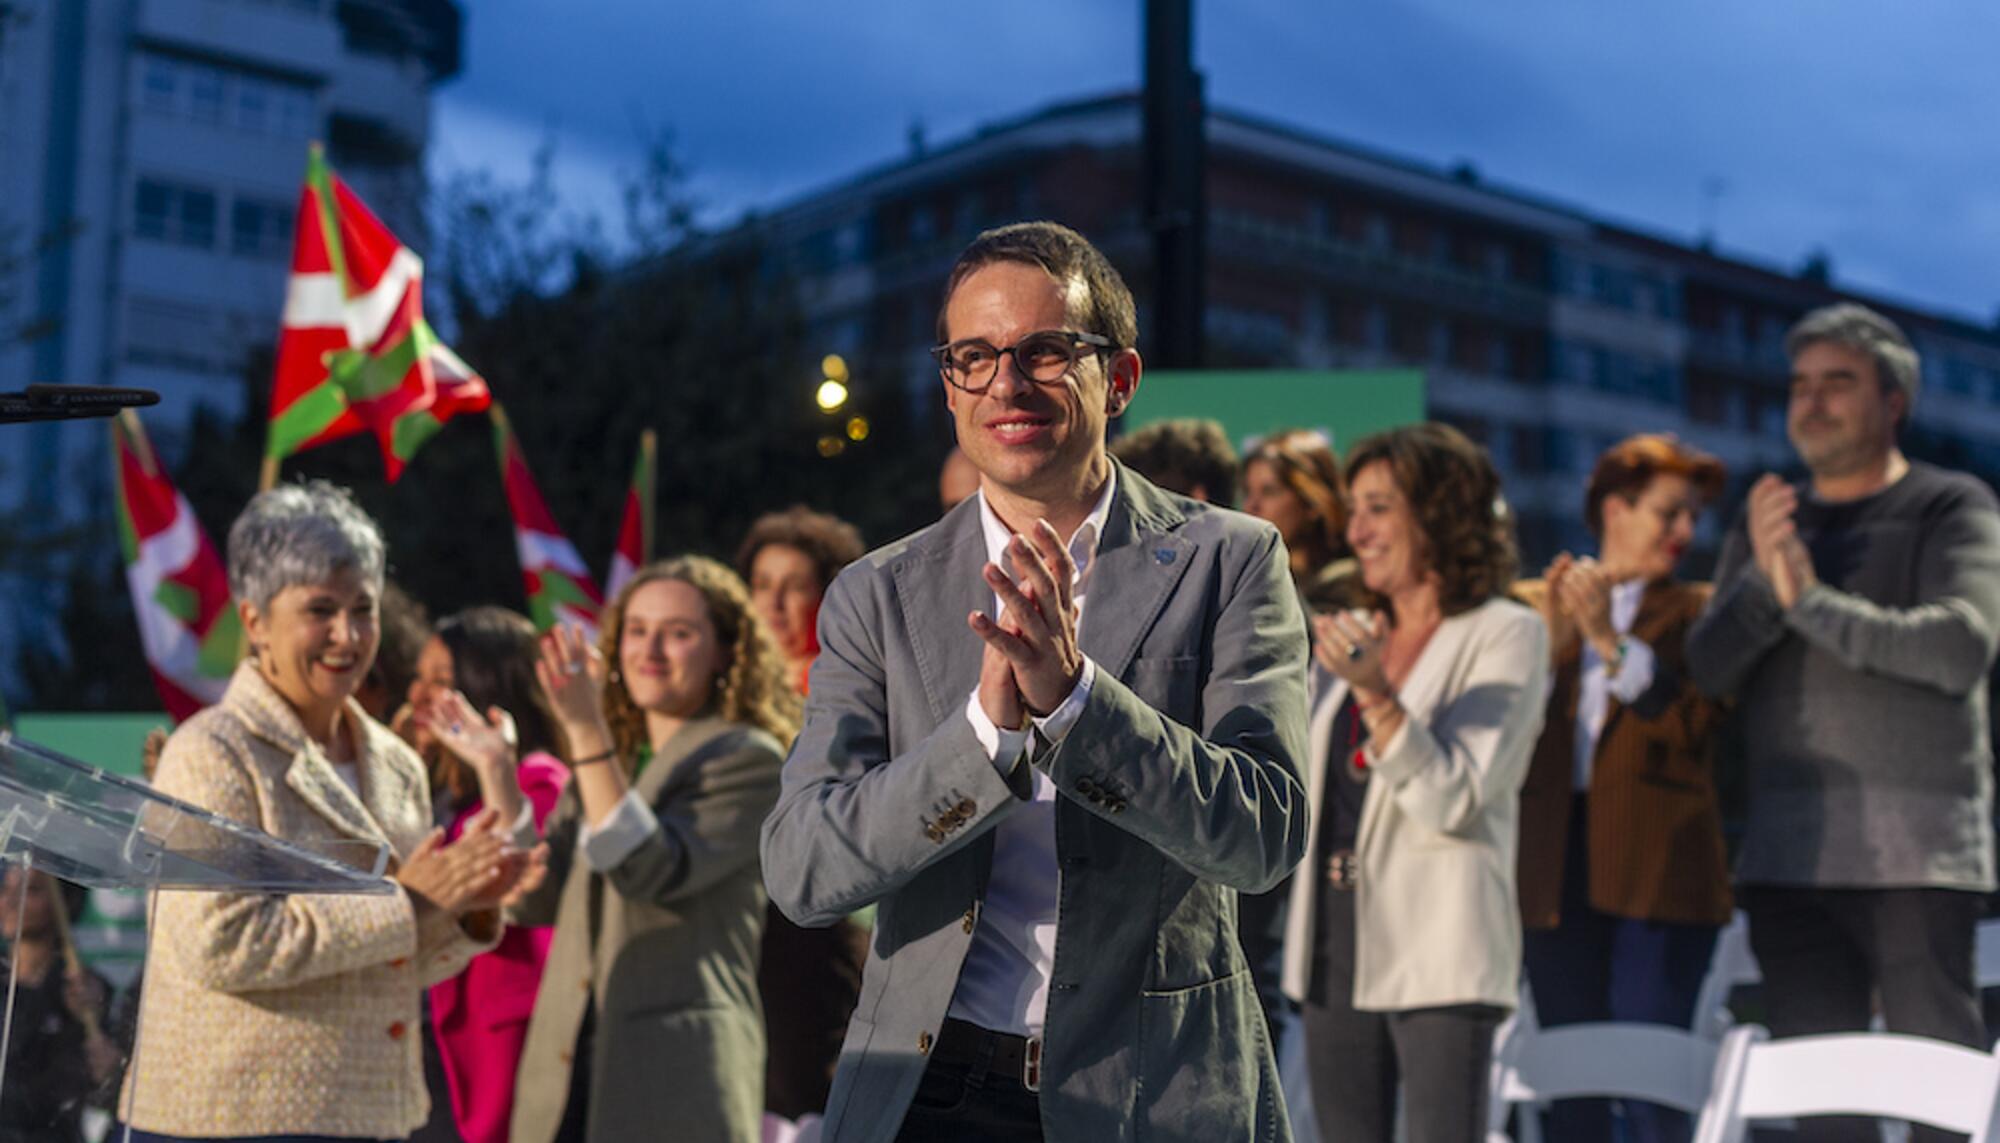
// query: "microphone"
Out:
[70,402]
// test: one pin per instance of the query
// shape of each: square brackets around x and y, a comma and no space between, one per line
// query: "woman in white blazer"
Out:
[1404,940]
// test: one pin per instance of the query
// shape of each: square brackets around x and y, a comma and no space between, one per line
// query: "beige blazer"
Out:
[665,944]
[265,1014]
[1436,919]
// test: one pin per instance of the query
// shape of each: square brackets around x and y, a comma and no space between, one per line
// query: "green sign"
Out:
[1344,404]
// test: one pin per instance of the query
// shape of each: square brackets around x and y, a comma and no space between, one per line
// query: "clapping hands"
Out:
[1034,638]
[1774,539]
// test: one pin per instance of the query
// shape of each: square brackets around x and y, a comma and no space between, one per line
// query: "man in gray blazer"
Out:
[1051,779]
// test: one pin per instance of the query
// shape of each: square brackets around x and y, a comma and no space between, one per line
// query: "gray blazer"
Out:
[1178,787]
[666,944]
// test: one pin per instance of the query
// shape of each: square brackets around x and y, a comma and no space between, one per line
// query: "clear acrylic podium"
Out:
[84,825]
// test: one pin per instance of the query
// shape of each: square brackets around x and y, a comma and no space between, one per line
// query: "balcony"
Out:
[386,97]
[1377,271]
[292,40]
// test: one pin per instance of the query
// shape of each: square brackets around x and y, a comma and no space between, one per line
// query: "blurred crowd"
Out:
[1507,786]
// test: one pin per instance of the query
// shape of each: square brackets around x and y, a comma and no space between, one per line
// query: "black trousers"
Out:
[962,1100]
[1355,1060]
[1826,953]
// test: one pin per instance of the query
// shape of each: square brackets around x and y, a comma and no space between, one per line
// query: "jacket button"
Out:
[1086,787]
[566,1057]
[923,1043]
[396,1030]
[971,917]
[967,807]
[585,982]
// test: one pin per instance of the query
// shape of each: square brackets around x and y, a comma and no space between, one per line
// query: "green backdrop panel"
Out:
[1345,404]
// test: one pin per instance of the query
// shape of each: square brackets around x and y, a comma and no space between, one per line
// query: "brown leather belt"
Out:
[1343,870]
[1008,1057]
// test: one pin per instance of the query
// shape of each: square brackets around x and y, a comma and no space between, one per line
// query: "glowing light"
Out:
[831,446]
[832,395]
[857,428]
[834,366]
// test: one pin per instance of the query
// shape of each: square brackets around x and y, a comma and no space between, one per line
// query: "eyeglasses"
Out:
[1046,357]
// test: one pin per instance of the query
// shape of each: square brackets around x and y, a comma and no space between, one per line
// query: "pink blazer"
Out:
[481,1015]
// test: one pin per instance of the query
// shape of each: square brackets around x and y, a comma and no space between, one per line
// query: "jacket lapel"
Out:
[1140,560]
[1658,607]
[938,584]
[311,776]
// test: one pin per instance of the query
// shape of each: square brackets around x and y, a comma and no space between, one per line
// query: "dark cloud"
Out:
[1860,128]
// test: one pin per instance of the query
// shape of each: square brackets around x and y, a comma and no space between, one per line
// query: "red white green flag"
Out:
[635,531]
[180,592]
[355,353]
[559,587]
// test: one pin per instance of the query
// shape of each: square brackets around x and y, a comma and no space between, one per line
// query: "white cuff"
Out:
[629,825]
[1635,672]
[1064,716]
[1003,747]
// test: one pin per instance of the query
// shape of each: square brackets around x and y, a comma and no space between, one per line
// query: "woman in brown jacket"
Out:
[648,1022]
[1622,874]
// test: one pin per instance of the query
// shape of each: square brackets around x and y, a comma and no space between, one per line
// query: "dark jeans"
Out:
[1824,953]
[1441,1056]
[1595,967]
[960,1099]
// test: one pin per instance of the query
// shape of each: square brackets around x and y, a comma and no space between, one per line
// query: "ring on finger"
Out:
[574,668]
[1354,650]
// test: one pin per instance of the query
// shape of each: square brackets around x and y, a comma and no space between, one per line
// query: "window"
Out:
[159,85]
[296,117]
[259,229]
[172,212]
[204,93]
[253,104]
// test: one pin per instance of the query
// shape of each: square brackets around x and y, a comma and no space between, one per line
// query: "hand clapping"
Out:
[1350,645]
[1036,633]
[1774,539]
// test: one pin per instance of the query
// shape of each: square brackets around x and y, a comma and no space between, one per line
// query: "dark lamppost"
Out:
[1174,135]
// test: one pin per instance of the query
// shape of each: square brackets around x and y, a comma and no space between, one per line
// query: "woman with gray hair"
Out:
[298,1016]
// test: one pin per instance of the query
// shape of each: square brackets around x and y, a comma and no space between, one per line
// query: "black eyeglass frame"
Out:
[1098,343]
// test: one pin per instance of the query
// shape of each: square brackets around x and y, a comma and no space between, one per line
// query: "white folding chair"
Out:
[1869,1073]
[1651,1062]
[1733,965]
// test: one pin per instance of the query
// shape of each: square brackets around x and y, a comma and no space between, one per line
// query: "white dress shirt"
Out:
[1004,984]
[1597,686]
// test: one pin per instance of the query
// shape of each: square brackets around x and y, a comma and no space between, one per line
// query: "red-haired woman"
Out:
[1622,873]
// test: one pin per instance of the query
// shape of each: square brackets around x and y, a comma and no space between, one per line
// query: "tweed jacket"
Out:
[1435,917]
[664,946]
[1176,788]
[1655,824]
[266,1014]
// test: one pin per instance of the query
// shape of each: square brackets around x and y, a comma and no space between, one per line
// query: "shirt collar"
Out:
[1082,545]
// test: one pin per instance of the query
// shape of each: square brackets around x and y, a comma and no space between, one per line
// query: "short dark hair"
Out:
[1182,455]
[493,657]
[1454,493]
[406,626]
[830,542]
[1863,330]
[1068,257]
[1627,467]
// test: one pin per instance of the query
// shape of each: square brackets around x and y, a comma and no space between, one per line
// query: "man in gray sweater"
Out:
[1853,622]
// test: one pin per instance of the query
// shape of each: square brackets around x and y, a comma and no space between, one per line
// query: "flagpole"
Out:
[649,442]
